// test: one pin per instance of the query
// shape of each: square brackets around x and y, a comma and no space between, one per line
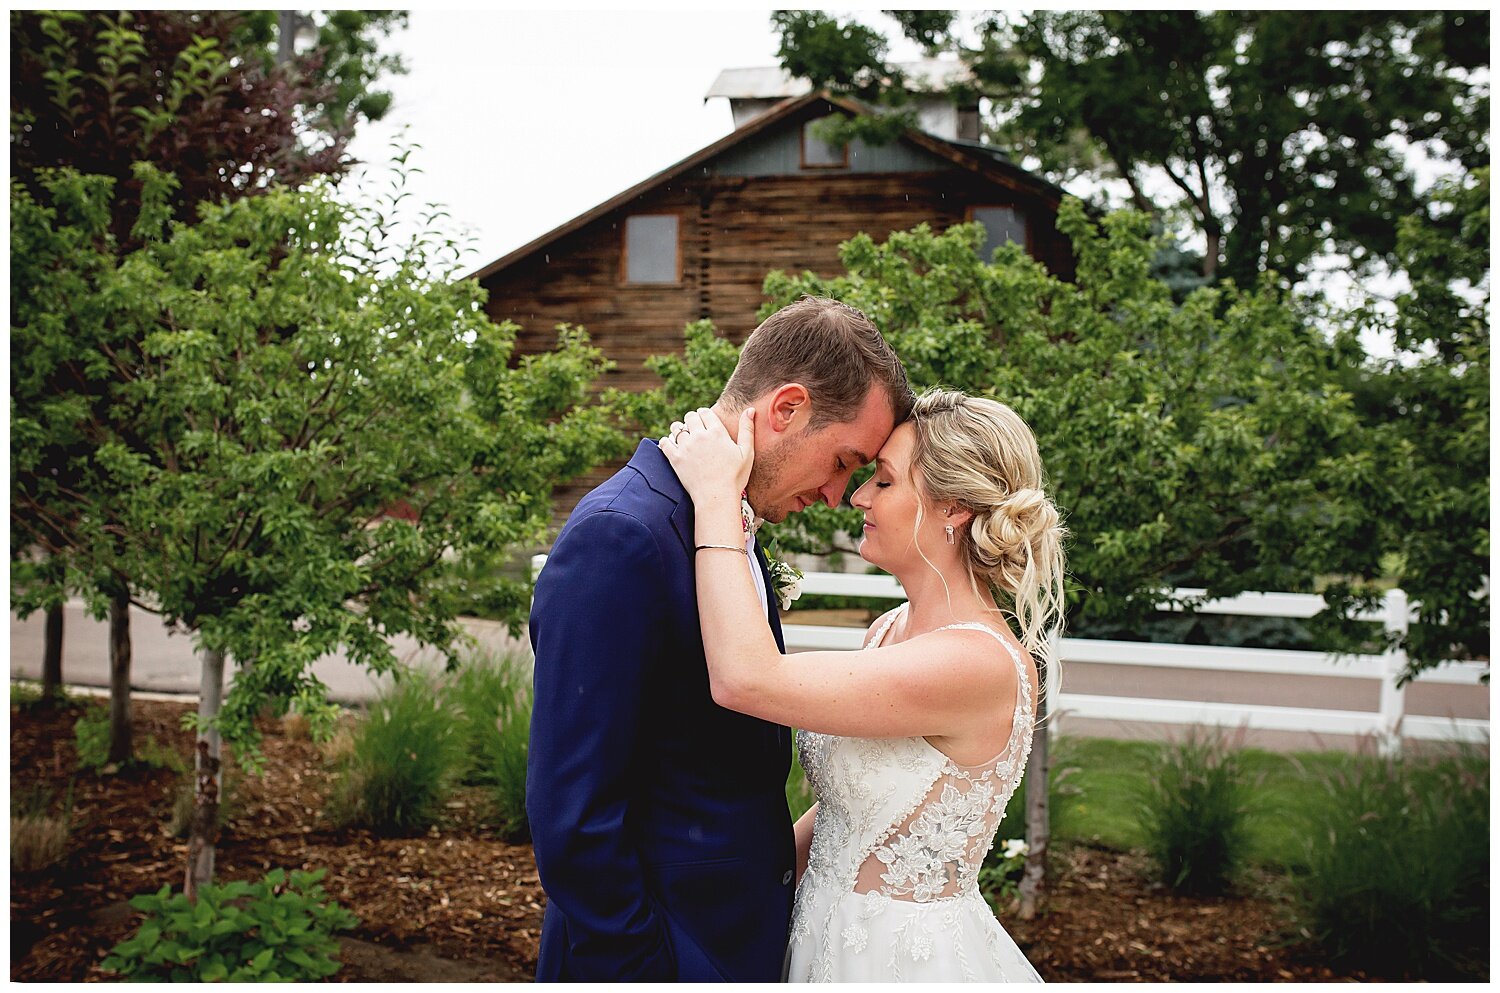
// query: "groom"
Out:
[659,819]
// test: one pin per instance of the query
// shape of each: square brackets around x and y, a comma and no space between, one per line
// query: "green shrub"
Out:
[24,693]
[277,930]
[38,837]
[404,758]
[1000,874]
[799,795]
[158,756]
[507,763]
[491,699]
[91,737]
[480,694]
[1398,867]
[1193,809]
[91,742]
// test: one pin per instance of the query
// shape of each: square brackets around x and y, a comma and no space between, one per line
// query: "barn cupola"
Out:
[753,92]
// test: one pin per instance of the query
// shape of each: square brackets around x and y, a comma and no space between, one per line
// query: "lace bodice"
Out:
[898,820]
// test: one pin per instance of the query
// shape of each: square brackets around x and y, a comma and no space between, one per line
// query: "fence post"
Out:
[537,561]
[1052,681]
[1393,696]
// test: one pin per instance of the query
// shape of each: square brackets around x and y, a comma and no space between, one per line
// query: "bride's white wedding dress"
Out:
[891,888]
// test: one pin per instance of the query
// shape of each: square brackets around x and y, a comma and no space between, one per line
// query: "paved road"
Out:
[163,661]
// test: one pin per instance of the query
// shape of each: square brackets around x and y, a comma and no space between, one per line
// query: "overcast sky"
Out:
[527,119]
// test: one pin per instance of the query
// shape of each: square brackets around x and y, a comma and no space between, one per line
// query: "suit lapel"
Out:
[682,523]
[659,475]
[653,465]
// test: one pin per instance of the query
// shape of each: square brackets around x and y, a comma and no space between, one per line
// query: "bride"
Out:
[915,744]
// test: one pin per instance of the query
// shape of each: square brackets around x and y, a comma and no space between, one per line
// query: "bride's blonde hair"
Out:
[979,454]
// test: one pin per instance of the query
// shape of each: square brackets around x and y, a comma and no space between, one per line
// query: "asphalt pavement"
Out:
[164,661]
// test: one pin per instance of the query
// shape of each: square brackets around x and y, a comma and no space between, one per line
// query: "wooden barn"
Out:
[697,239]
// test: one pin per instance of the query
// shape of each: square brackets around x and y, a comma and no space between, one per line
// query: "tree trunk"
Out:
[1038,826]
[1215,239]
[120,750]
[204,827]
[287,23]
[52,647]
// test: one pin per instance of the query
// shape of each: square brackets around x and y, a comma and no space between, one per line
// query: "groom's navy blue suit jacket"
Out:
[659,818]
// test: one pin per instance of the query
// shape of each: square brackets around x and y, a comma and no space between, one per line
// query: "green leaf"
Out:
[298,957]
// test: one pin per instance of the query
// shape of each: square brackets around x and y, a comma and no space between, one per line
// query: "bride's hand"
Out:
[708,462]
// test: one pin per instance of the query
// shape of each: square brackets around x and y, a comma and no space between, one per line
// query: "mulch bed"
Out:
[1105,919]
[460,904]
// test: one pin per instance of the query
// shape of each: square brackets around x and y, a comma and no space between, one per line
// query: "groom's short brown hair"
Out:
[829,347]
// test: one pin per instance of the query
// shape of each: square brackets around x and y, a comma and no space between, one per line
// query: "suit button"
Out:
[786,879]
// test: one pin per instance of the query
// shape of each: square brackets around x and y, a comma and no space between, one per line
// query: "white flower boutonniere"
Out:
[786,579]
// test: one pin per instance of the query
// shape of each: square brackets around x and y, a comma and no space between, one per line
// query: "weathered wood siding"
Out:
[733,231]
[579,279]
[734,228]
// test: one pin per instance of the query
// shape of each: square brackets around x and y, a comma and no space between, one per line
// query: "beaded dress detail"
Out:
[891,889]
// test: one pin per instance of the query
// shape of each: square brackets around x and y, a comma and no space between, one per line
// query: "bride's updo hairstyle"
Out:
[979,454]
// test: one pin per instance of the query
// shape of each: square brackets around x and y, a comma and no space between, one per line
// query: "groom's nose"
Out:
[832,492]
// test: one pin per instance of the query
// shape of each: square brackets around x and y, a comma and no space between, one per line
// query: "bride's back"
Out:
[901,832]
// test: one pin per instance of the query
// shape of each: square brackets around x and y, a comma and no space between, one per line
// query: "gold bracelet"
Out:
[731,548]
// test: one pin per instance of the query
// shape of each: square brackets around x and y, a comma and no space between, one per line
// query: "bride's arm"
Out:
[937,684]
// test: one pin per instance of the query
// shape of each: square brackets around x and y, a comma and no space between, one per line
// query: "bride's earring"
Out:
[949,532]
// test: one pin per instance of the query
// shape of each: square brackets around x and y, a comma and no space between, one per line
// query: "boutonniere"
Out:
[786,579]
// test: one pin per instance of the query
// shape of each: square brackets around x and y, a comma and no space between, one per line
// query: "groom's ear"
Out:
[788,409]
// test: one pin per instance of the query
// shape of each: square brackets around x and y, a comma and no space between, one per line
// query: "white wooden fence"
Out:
[1390,723]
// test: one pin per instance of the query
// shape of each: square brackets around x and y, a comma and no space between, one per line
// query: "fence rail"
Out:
[1390,723]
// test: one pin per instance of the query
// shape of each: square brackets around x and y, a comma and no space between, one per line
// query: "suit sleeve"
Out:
[595,627]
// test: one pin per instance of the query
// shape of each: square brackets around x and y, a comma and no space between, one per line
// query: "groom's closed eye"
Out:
[853,460]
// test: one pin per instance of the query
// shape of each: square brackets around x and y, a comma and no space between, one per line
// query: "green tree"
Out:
[1207,444]
[1282,134]
[198,94]
[292,456]
[1212,443]
[344,57]
[1226,442]
[1432,400]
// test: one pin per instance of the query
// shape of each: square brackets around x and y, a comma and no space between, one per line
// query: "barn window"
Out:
[651,254]
[819,154]
[1001,225]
